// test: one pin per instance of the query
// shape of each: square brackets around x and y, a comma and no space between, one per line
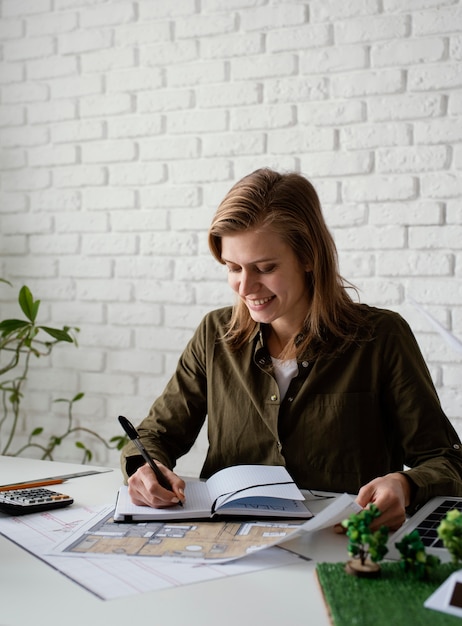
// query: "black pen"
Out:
[133,435]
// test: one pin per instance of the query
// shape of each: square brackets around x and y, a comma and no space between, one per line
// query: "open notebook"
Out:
[426,521]
[242,490]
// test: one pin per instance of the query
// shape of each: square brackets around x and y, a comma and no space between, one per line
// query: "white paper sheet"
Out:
[113,577]
[110,578]
[341,508]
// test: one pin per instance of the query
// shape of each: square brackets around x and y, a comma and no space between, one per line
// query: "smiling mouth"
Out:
[260,301]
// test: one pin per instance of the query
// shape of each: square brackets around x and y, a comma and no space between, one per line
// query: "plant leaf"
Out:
[36,431]
[28,305]
[9,326]
[119,440]
[56,333]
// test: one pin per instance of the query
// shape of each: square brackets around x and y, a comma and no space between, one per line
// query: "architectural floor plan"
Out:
[209,541]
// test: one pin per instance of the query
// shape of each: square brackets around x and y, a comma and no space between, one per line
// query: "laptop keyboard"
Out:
[428,527]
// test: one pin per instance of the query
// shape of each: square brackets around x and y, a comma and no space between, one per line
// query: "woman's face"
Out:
[264,271]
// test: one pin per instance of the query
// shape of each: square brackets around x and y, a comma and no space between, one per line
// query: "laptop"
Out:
[426,521]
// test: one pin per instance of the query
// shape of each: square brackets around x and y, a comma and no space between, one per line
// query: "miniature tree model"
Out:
[450,532]
[414,559]
[366,547]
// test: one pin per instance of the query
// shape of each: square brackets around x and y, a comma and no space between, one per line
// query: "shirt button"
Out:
[305,363]
[456,446]
[274,397]
[279,445]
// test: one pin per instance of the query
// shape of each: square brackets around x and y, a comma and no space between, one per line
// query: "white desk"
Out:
[33,592]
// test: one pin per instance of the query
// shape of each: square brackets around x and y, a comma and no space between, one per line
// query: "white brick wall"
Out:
[124,122]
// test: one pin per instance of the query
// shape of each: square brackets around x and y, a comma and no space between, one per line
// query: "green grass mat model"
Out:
[394,598]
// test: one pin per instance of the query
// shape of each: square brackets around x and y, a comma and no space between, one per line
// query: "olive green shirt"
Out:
[345,419]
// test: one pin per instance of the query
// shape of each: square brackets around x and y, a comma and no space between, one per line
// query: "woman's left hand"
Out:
[391,494]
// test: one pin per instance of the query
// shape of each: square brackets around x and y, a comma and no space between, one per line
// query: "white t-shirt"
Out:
[284,372]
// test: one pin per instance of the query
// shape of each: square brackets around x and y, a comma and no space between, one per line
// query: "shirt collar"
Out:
[258,331]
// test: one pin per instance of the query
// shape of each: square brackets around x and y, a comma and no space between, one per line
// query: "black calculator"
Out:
[32,500]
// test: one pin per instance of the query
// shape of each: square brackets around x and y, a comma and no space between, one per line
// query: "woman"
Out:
[297,373]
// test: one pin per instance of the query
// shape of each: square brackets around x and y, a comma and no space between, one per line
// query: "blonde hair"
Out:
[289,205]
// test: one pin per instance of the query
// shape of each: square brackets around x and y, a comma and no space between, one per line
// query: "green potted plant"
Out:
[23,339]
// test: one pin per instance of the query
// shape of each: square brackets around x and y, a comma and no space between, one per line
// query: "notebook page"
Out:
[233,479]
[197,501]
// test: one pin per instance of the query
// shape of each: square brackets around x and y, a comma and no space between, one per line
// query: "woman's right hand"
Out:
[144,488]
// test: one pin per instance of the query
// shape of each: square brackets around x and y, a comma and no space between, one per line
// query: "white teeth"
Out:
[259,302]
